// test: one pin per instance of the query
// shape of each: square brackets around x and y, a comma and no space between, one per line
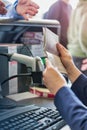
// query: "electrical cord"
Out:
[6,103]
[14,76]
[9,103]
[6,55]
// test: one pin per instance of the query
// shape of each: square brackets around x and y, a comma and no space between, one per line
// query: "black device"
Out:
[35,67]
[10,68]
[12,32]
[31,117]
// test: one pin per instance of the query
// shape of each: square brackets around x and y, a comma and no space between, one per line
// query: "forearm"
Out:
[79,87]
[73,73]
[12,13]
[72,110]
[66,59]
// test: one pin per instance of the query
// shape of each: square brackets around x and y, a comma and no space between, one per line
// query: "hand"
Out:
[27,8]
[84,65]
[66,59]
[2,8]
[52,78]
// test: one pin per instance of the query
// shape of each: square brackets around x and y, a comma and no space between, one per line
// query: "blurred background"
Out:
[45,4]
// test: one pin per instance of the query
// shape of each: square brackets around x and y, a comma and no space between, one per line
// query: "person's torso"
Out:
[76,44]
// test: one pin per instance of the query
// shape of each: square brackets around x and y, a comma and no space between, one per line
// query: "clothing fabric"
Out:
[60,11]
[70,107]
[78,63]
[11,11]
[77,32]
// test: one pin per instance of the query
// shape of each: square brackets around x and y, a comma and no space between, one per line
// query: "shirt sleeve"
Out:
[79,87]
[71,109]
[11,11]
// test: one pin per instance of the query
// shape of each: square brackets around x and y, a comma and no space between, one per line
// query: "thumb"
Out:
[61,49]
[48,63]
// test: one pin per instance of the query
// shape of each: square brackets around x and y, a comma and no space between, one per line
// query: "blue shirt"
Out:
[11,10]
[71,108]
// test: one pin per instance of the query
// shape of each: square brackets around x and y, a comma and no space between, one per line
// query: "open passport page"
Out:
[50,40]
[50,46]
[47,39]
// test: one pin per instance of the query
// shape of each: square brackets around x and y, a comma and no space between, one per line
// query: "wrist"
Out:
[16,9]
[57,87]
[74,73]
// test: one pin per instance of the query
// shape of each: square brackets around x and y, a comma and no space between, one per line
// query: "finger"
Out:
[31,12]
[84,61]
[26,16]
[3,11]
[84,67]
[33,8]
[34,4]
[48,63]
[2,4]
[61,49]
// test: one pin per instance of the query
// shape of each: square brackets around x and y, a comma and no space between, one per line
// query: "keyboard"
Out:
[31,117]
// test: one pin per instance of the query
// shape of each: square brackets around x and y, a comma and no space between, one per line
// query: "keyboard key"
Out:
[31,118]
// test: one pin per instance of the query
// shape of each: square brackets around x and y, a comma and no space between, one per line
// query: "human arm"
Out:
[23,9]
[2,8]
[27,8]
[79,87]
[70,107]
[66,59]
[84,65]
[74,74]
[51,78]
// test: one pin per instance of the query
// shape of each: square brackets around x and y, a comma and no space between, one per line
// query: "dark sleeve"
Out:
[71,109]
[79,87]
[11,13]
